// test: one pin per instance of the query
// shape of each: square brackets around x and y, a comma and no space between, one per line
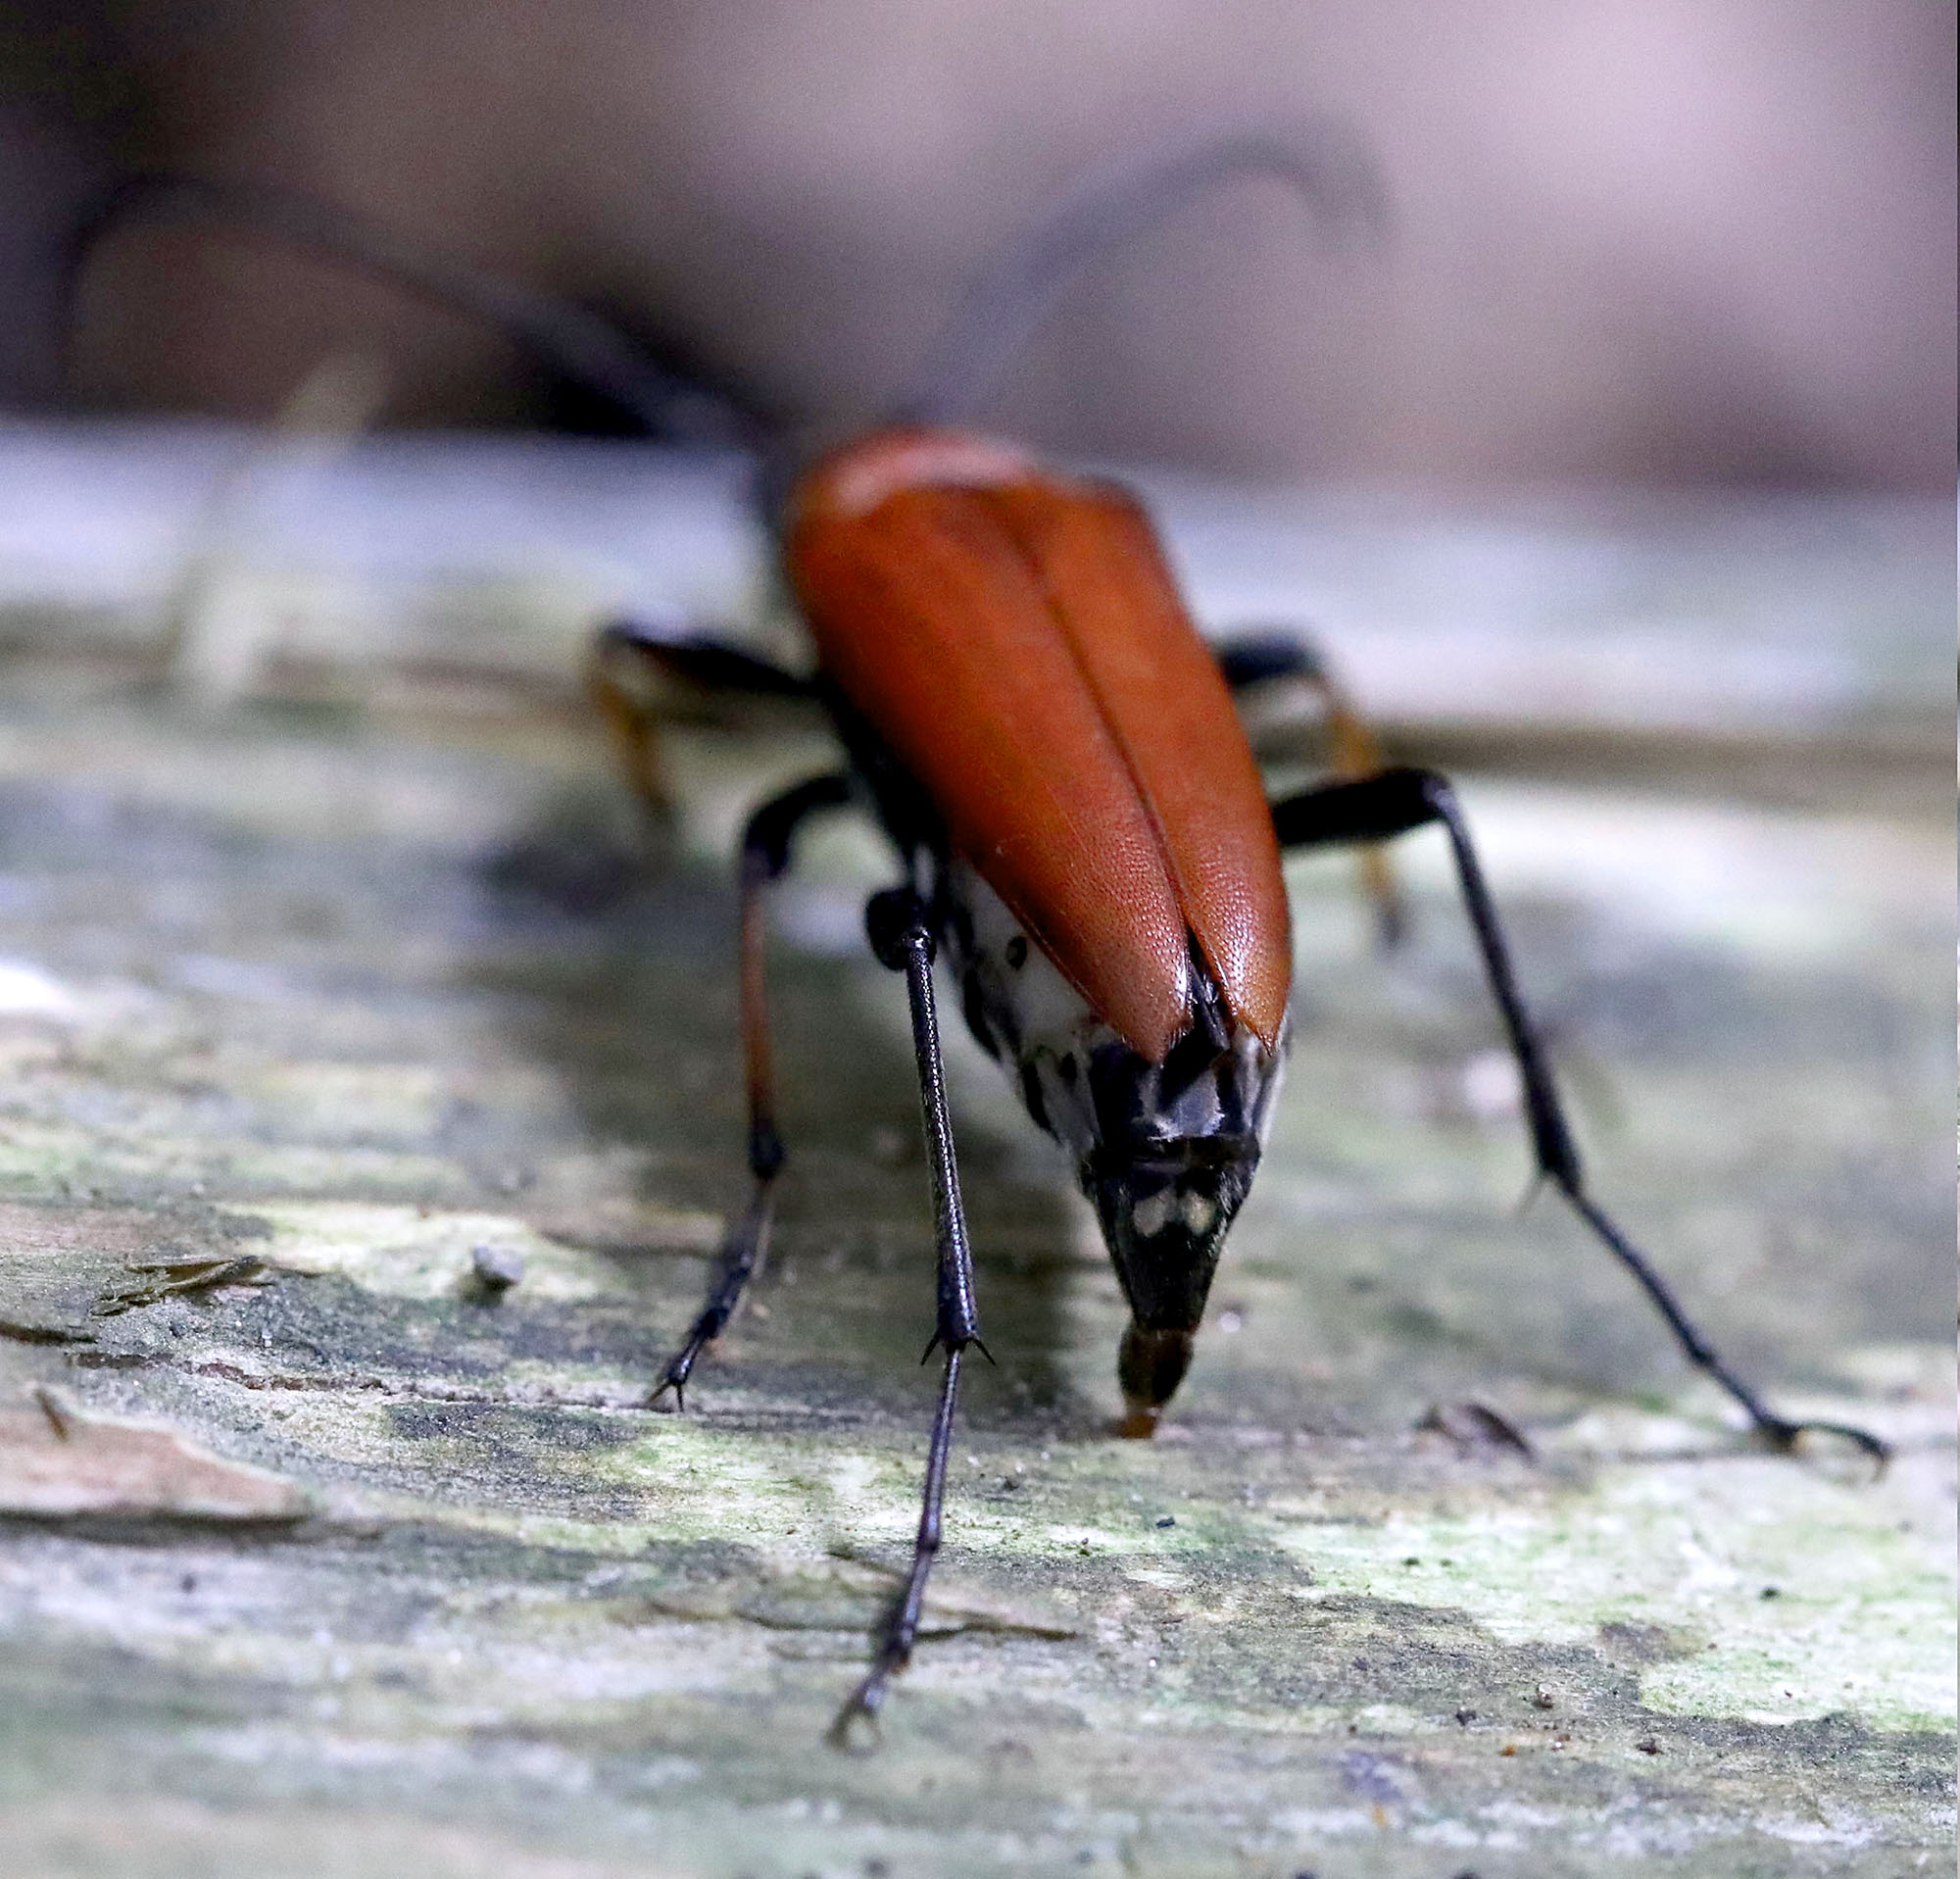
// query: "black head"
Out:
[1165,1206]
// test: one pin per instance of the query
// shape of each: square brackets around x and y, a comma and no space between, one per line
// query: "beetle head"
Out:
[1165,1205]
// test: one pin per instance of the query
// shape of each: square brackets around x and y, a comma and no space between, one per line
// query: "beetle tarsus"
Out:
[1786,1438]
[863,1708]
[901,1627]
[1778,1432]
[743,1254]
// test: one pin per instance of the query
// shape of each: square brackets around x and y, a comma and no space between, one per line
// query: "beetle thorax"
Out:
[1078,1079]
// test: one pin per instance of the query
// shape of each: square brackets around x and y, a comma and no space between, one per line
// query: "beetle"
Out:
[1080,827]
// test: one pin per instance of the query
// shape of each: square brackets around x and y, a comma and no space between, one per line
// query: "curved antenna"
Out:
[1325,163]
[578,344]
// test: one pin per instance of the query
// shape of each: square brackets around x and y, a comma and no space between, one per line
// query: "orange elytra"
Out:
[1017,639]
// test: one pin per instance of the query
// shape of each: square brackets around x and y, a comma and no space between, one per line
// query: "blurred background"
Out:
[1633,241]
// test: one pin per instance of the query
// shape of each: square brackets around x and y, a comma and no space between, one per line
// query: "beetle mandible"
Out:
[1081,828]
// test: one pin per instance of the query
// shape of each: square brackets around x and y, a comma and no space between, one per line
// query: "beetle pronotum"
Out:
[1079,822]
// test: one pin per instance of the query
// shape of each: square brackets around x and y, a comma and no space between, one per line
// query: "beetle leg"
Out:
[1399,800]
[1288,657]
[766,854]
[903,940]
[625,658]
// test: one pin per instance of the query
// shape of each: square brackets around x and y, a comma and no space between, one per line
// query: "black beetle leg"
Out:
[1289,656]
[903,940]
[766,854]
[1399,800]
[626,658]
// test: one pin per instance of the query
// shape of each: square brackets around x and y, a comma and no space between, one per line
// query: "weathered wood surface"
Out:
[344,1565]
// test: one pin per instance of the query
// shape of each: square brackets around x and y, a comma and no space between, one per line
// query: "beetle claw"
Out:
[677,1384]
[1786,1438]
[855,1728]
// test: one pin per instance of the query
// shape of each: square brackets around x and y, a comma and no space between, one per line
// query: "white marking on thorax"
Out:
[1037,1025]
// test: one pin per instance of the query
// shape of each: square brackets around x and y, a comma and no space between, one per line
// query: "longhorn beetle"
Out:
[1080,826]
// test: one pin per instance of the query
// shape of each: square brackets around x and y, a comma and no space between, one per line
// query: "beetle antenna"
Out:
[1322,161]
[580,345]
